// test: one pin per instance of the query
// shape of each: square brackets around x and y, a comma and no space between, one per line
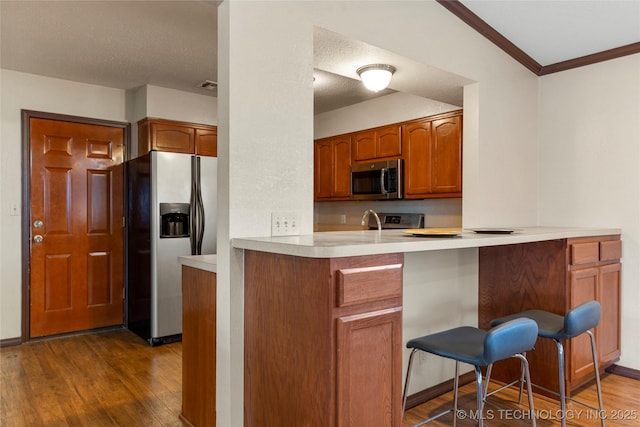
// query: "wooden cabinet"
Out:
[555,276]
[323,340]
[432,150]
[379,143]
[207,141]
[176,137]
[594,274]
[198,346]
[332,168]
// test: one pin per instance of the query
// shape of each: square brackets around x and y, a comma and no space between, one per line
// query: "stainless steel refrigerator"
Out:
[171,208]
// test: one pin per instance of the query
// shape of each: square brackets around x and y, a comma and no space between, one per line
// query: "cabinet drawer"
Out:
[584,253]
[610,250]
[368,284]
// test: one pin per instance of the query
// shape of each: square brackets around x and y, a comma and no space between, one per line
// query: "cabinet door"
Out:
[207,142]
[388,142]
[416,138]
[609,327]
[370,342]
[323,169]
[174,138]
[584,287]
[446,152]
[341,176]
[364,145]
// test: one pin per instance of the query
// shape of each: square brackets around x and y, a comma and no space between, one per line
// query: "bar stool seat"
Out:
[576,322]
[479,348]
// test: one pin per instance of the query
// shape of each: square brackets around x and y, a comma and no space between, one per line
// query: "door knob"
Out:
[37,223]
[37,238]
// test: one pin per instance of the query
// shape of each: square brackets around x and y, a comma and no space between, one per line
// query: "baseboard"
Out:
[624,372]
[432,392]
[10,342]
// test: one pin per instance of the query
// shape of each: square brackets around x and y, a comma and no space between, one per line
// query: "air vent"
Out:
[209,85]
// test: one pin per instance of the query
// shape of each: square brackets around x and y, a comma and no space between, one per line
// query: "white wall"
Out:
[266,121]
[394,108]
[31,92]
[590,166]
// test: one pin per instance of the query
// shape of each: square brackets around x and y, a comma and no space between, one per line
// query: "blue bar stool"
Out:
[478,348]
[577,321]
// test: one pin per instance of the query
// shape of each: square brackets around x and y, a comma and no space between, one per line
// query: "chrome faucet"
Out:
[366,214]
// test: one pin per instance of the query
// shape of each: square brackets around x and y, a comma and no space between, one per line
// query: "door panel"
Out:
[76,190]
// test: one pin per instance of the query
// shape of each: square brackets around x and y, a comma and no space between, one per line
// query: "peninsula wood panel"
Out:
[514,278]
[555,276]
[294,329]
[198,346]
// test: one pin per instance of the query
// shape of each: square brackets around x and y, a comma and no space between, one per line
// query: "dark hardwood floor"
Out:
[115,379]
[621,398]
[104,379]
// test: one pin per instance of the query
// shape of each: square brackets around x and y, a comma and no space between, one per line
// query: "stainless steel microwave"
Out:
[377,180]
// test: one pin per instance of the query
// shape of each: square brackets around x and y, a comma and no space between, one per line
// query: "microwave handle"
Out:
[383,188]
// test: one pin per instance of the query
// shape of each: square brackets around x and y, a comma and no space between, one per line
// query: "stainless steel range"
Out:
[397,221]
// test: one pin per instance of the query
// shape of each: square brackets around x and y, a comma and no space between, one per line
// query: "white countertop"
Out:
[371,242]
[202,262]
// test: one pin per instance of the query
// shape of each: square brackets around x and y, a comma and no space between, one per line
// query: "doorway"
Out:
[72,223]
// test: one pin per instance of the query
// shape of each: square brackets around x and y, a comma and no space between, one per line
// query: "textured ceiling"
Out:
[121,44]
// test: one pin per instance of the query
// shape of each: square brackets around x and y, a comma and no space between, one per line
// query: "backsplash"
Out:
[437,212]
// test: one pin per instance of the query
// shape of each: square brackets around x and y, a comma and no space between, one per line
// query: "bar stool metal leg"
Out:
[594,353]
[406,381]
[563,396]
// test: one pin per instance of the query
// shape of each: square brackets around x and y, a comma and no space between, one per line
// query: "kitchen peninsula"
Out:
[199,339]
[324,313]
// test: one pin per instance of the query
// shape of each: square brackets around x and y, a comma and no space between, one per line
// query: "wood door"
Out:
[207,142]
[416,137]
[446,152]
[76,192]
[341,186]
[388,142]
[584,287]
[323,169]
[364,145]
[369,364]
[609,283]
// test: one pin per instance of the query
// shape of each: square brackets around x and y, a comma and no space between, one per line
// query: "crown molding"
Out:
[482,27]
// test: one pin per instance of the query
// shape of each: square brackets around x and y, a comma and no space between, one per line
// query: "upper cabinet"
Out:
[378,143]
[432,149]
[176,137]
[332,168]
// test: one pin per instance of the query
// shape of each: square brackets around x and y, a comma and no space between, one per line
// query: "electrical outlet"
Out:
[285,224]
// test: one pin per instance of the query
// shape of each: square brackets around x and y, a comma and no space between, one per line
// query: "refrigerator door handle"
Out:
[200,207]
[193,213]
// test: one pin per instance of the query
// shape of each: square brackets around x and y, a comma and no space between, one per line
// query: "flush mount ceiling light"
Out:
[376,77]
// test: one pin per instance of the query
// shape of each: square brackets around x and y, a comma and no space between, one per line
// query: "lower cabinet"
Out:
[198,347]
[555,276]
[323,340]
[595,275]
